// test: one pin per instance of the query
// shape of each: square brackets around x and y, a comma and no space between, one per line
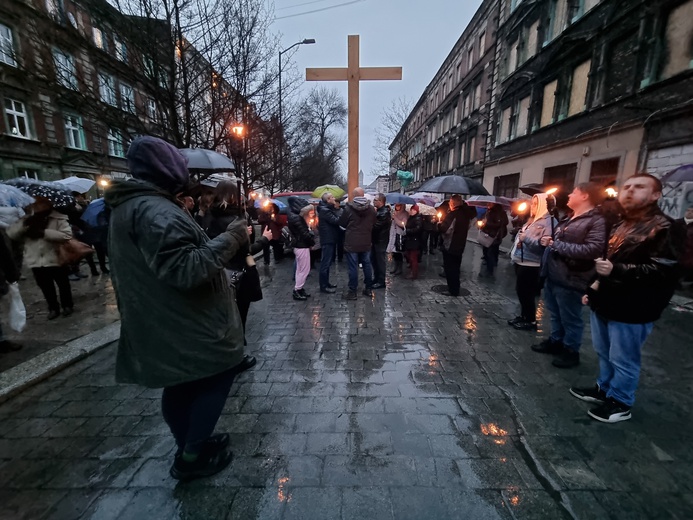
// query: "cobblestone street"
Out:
[409,405]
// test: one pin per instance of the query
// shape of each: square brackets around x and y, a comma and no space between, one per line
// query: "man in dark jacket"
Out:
[570,269]
[328,229]
[358,219]
[380,238]
[180,327]
[636,281]
[453,230]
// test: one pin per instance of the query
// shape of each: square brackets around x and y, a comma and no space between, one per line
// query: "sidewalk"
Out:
[407,405]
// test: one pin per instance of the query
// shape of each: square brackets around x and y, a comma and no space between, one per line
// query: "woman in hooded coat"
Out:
[394,246]
[526,255]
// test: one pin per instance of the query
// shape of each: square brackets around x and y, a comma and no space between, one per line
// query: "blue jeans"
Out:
[618,346]
[325,262]
[565,306]
[354,259]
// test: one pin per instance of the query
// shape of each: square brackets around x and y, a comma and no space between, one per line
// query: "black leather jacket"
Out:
[644,251]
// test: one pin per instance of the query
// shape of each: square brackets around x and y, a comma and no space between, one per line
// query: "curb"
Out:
[21,377]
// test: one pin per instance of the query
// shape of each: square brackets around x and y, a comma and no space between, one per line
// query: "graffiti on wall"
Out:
[677,197]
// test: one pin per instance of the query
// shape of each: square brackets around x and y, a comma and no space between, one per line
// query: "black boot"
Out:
[298,296]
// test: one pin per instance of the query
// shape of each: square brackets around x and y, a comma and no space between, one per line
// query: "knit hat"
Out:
[415,207]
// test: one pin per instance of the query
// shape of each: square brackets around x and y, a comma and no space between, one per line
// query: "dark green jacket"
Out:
[180,322]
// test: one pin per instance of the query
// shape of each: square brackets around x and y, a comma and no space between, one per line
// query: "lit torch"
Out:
[611,193]
[522,207]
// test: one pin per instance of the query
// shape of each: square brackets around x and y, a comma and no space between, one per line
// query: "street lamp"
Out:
[306,41]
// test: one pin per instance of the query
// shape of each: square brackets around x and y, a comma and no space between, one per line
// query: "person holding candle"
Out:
[394,246]
[636,281]
[299,219]
[570,268]
[453,231]
[412,232]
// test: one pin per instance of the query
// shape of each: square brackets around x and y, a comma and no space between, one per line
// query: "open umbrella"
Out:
[13,197]
[214,179]
[203,161]
[77,184]
[454,184]
[94,209]
[485,200]
[532,188]
[264,204]
[426,198]
[58,196]
[424,209]
[398,198]
[328,188]
[681,174]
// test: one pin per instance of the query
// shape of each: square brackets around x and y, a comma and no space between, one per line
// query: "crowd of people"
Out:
[194,251]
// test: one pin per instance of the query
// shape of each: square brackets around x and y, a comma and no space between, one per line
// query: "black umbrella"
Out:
[58,195]
[201,160]
[532,188]
[454,184]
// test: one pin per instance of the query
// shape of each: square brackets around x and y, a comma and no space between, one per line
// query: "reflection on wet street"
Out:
[406,405]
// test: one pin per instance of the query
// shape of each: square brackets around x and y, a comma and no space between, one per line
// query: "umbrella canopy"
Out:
[12,197]
[328,188]
[454,184]
[201,160]
[57,194]
[94,209]
[398,198]
[430,199]
[424,209]
[77,184]
[264,203]
[485,200]
[532,188]
[681,174]
[213,180]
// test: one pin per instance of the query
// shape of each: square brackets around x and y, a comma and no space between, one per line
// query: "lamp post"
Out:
[306,41]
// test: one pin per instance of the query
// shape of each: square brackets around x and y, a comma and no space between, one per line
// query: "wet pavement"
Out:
[95,307]
[406,405]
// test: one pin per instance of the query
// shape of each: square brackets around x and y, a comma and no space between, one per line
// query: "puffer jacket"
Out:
[577,243]
[381,228]
[42,252]
[298,225]
[358,219]
[328,223]
[644,251]
[413,233]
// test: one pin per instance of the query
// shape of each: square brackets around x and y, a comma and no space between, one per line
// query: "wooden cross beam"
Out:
[354,74]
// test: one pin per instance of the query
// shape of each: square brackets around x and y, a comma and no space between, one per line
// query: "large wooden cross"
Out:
[353,73]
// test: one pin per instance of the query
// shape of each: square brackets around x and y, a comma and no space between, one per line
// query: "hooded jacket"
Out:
[328,223]
[530,251]
[42,252]
[179,320]
[298,225]
[358,219]
[644,251]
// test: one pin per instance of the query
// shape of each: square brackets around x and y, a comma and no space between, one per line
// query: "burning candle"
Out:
[439,215]
[522,207]
[480,223]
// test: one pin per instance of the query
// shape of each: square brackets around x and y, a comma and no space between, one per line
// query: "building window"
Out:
[532,40]
[548,104]
[482,44]
[576,8]
[121,51]
[463,152]
[472,148]
[504,125]
[8,53]
[523,116]
[678,39]
[55,9]
[477,97]
[74,132]
[115,143]
[506,185]
[562,177]
[514,4]
[100,39]
[467,105]
[563,97]
[151,109]
[605,171]
[578,94]
[550,21]
[470,58]
[28,174]
[107,89]
[17,118]
[127,98]
[65,71]
[455,115]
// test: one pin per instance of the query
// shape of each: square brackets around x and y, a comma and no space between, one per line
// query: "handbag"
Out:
[72,251]
[485,239]
[246,282]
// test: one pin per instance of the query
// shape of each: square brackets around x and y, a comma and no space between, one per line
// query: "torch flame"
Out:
[611,192]
[551,191]
[522,207]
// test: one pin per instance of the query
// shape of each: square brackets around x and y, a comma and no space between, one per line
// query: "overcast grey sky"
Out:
[414,34]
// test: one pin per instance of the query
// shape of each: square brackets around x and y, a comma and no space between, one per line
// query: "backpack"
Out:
[288,239]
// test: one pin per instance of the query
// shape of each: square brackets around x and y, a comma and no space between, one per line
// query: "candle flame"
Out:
[439,214]
[480,223]
[551,191]
[522,207]
[611,192]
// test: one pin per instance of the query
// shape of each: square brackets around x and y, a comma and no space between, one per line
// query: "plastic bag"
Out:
[17,310]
